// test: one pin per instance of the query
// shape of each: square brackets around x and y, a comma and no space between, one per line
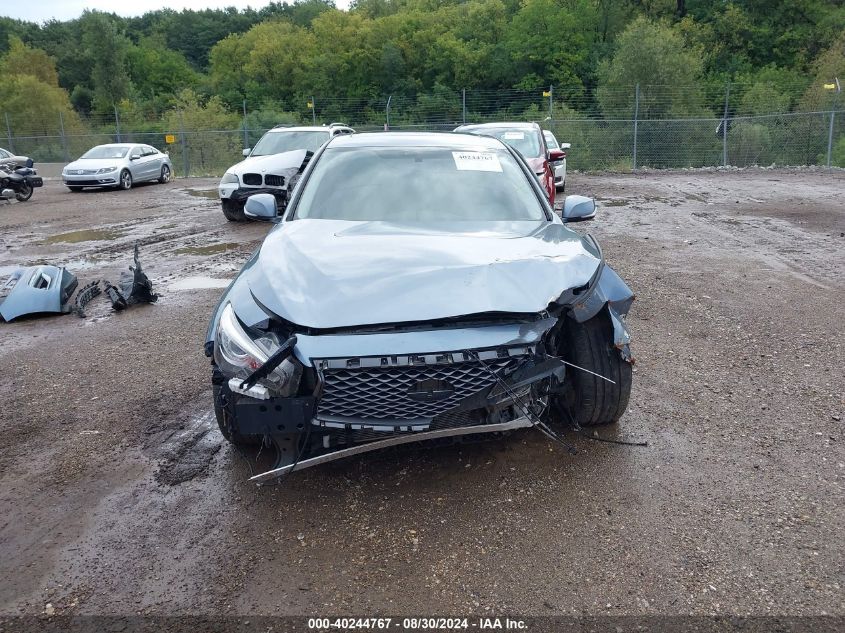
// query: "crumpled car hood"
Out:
[329,274]
[271,163]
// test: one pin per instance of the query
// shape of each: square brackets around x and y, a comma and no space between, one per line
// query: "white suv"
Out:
[273,165]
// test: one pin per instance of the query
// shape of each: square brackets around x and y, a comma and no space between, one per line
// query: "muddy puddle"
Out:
[211,194]
[87,235]
[211,249]
[199,283]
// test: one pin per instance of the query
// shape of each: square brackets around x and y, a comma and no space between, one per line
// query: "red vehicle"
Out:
[528,140]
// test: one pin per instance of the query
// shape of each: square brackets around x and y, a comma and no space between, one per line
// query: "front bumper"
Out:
[91,180]
[363,403]
[238,193]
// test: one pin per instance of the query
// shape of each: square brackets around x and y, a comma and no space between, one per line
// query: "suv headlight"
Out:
[229,178]
[237,355]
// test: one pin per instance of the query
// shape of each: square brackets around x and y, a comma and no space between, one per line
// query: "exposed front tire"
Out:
[25,193]
[165,174]
[125,180]
[585,399]
[224,411]
[233,210]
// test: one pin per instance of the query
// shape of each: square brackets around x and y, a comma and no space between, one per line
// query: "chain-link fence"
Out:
[621,130]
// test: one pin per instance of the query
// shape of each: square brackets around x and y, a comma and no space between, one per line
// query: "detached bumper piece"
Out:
[240,195]
[134,287]
[37,290]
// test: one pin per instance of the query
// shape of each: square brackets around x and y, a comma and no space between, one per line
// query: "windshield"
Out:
[418,184]
[278,142]
[106,151]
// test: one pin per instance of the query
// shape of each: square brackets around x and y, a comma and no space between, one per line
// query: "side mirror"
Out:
[261,206]
[565,145]
[578,208]
[134,157]
[556,155]
[246,152]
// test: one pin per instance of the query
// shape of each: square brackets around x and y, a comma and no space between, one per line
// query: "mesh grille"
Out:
[382,393]
[273,180]
[252,179]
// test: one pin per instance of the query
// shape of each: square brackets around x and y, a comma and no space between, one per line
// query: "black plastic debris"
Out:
[36,290]
[134,287]
[84,297]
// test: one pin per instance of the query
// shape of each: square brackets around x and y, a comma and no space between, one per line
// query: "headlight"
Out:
[106,170]
[238,355]
[229,178]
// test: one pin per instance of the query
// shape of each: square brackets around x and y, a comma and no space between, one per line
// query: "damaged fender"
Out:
[605,288]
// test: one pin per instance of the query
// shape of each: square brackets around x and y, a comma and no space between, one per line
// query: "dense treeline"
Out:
[779,53]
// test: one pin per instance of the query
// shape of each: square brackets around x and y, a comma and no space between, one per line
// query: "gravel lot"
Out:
[118,495]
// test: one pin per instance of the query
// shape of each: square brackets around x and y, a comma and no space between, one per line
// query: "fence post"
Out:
[551,106]
[64,138]
[186,164]
[9,133]
[636,123]
[387,113]
[313,110]
[836,92]
[246,134]
[725,126]
[117,124]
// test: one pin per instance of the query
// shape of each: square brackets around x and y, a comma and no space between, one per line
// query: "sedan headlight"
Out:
[238,355]
[106,170]
[229,178]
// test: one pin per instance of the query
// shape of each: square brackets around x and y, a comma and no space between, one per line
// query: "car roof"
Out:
[514,125]
[304,128]
[119,145]
[418,139]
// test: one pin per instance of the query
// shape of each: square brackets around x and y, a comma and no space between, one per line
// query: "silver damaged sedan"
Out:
[416,287]
[117,165]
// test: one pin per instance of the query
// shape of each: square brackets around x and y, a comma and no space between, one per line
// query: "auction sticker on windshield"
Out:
[476,161]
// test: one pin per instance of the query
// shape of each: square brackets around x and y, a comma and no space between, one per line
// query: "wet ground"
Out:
[119,496]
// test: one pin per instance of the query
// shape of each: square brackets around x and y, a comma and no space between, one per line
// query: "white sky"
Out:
[41,10]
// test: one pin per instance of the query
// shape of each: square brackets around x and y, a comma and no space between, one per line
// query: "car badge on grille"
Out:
[431,390]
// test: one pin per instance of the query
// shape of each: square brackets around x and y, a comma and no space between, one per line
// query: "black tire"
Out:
[234,210]
[125,180]
[75,189]
[586,399]
[224,411]
[25,193]
[165,174]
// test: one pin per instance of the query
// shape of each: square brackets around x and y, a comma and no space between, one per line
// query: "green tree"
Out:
[653,55]
[108,48]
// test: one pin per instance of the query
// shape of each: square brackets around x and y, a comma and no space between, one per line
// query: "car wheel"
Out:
[25,193]
[224,411]
[234,211]
[165,174]
[125,180]
[585,399]
[75,189]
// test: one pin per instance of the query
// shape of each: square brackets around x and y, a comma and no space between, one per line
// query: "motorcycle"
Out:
[20,182]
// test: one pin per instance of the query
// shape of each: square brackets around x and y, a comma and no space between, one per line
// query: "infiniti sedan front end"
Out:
[419,287]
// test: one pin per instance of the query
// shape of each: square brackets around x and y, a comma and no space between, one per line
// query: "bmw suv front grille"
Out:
[253,180]
[406,389]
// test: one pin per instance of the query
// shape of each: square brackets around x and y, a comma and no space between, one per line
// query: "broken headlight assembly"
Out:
[238,355]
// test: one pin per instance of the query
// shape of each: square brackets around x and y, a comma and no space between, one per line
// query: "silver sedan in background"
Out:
[117,165]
